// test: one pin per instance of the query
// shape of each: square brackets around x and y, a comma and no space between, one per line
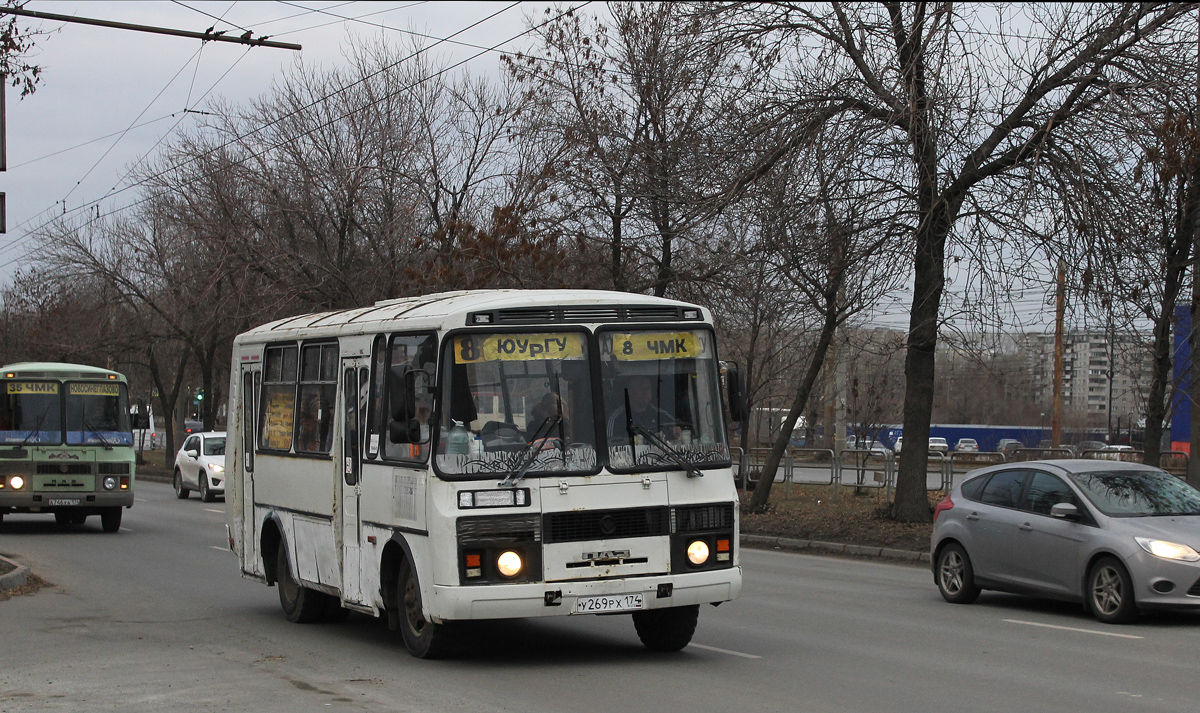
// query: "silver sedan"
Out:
[1117,536]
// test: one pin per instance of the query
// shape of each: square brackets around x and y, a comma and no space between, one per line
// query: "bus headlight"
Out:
[110,483]
[697,552]
[17,482]
[509,563]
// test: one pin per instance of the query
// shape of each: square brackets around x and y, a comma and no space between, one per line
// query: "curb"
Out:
[789,543]
[15,578]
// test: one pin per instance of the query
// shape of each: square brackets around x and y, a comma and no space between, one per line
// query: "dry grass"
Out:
[812,512]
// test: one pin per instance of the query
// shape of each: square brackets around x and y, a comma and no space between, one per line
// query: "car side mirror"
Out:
[192,454]
[1066,511]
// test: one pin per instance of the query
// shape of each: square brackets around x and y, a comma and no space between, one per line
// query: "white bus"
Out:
[483,455]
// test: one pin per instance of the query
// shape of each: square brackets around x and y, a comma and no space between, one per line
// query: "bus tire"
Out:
[206,495]
[110,518]
[180,491]
[423,639]
[300,605]
[78,518]
[62,519]
[666,629]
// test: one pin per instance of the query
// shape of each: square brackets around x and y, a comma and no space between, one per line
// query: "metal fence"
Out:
[867,470]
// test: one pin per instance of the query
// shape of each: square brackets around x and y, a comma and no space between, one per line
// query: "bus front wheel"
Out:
[423,639]
[666,629]
[300,605]
[110,518]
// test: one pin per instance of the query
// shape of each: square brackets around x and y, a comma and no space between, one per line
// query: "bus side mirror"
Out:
[405,431]
[735,385]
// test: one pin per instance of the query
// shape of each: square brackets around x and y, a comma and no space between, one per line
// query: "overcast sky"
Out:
[71,143]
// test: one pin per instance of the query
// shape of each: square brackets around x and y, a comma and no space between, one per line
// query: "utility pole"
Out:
[1060,309]
[1193,465]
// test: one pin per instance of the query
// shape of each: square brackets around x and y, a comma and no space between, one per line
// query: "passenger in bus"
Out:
[547,407]
[645,412]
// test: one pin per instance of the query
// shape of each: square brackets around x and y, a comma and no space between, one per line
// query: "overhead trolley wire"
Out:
[311,104]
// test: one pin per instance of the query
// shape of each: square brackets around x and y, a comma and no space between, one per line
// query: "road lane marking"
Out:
[725,651]
[141,500]
[219,549]
[126,529]
[1072,628]
[212,510]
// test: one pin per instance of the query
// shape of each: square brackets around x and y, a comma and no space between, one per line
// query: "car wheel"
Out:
[666,629]
[181,491]
[955,575]
[300,604]
[110,518]
[1110,592]
[205,494]
[423,639]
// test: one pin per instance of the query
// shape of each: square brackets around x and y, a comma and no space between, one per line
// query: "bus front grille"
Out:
[113,468]
[499,528]
[580,526]
[64,468]
[701,518]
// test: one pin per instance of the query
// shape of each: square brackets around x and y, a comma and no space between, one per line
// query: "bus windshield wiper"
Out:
[653,438]
[37,430]
[529,455]
[90,427]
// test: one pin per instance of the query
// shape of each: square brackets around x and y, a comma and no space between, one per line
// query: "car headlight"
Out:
[1168,550]
[697,552]
[217,468]
[17,482]
[110,483]
[509,563]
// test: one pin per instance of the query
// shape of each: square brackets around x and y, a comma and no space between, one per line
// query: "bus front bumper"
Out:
[510,601]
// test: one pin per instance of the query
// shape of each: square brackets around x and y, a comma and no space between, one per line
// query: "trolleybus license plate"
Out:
[64,501]
[598,605]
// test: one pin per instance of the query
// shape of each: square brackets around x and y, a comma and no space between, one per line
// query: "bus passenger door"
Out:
[354,401]
[251,382]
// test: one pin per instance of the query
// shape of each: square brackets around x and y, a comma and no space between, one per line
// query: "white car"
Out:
[200,465]
[899,443]
[967,445]
[937,443]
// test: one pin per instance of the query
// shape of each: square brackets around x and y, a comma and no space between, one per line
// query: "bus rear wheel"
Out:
[423,639]
[110,518]
[666,629]
[300,605]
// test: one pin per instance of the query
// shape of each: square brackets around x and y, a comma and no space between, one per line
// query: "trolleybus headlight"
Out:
[17,482]
[509,563]
[110,483]
[697,552]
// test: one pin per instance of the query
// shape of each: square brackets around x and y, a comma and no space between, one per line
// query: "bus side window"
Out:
[278,404]
[405,353]
[375,403]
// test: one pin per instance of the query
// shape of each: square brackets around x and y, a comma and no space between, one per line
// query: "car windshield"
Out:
[214,446]
[517,401]
[31,412]
[97,414]
[664,384]
[1138,493]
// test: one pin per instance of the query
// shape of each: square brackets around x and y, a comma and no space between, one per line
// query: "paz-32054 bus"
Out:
[487,454]
[66,447]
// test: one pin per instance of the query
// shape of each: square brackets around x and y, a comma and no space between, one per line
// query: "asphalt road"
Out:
[156,618]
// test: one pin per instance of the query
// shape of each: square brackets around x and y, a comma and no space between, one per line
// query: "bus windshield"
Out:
[660,395]
[516,401]
[97,414]
[30,412]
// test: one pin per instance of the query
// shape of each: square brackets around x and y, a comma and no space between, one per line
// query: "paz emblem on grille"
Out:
[608,525]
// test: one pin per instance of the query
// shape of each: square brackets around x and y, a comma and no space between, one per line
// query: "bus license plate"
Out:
[600,605]
[64,501]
